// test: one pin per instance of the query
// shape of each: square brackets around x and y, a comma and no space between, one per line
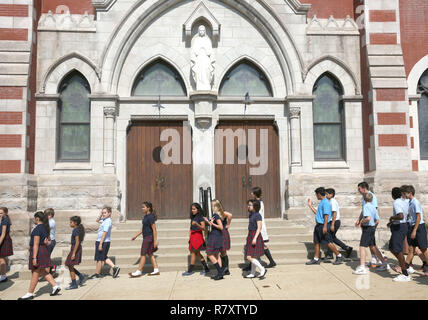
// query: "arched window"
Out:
[245,77]
[74,119]
[423,116]
[159,79]
[329,137]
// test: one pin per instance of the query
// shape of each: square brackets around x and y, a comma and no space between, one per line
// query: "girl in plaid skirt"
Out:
[215,241]
[150,243]
[39,260]
[6,248]
[75,256]
[196,241]
[254,246]
[226,219]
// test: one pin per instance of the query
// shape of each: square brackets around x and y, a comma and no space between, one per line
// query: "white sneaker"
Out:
[249,276]
[137,273]
[383,267]
[402,278]
[360,270]
[410,270]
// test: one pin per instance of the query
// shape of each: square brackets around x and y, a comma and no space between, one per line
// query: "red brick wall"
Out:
[415,165]
[10,117]
[382,16]
[13,34]
[391,118]
[10,166]
[414,31]
[383,38]
[11,93]
[392,140]
[325,8]
[10,141]
[75,6]
[390,95]
[13,10]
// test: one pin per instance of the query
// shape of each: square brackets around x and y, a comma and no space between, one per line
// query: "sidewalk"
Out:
[301,282]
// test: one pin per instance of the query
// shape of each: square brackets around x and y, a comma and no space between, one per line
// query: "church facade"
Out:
[97,97]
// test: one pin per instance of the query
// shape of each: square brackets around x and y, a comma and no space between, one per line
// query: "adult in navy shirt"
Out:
[322,228]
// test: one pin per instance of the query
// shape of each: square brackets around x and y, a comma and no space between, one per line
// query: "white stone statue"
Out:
[203,60]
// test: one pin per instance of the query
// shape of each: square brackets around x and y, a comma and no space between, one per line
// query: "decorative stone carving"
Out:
[202,59]
[296,156]
[202,11]
[67,22]
[110,112]
[294,112]
[102,5]
[331,26]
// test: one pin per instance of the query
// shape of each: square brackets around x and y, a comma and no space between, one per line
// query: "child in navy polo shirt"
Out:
[417,233]
[399,227]
[6,247]
[75,256]
[368,220]
[322,228]
[102,245]
[150,242]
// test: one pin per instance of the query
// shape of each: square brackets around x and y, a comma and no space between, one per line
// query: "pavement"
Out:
[284,282]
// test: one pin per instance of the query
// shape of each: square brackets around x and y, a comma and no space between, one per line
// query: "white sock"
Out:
[27,295]
[54,288]
[339,255]
[253,268]
[316,259]
[258,264]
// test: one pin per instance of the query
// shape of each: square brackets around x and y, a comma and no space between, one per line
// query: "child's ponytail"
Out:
[44,219]
[81,228]
[150,206]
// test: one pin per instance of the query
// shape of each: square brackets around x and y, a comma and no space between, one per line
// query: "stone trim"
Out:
[415,74]
[202,11]
[157,118]
[246,117]
[103,5]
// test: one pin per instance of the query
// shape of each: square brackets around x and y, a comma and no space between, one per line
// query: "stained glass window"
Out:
[159,79]
[74,119]
[329,142]
[423,116]
[245,77]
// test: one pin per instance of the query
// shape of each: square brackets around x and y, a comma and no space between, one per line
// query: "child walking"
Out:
[335,224]
[75,256]
[6,247]
[215,241]
[368,225]
[39,259]
[196,241]
[50,213]
[226,219]
[417,233]
[102,245]
[150,243]
[322,228]
[254,247]
[256,194]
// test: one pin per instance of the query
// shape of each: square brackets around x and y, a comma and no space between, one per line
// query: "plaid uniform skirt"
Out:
[77,258]
[226,239]
[6,248]
[257,250]
[43,258]
[147,246]
[214,243]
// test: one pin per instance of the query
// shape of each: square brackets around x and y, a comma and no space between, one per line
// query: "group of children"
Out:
[406,225]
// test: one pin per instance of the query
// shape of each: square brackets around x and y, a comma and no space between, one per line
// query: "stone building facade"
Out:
[368,55]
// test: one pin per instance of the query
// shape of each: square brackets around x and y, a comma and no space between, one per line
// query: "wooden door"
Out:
[234,181]
[167,186]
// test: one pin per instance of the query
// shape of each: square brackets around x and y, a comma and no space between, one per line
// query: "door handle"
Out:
[162,182]
[157,181]
[243,182]
[250,181]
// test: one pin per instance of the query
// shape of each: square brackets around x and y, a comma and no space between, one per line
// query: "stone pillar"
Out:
[296,155]
[203,142]
[110,115]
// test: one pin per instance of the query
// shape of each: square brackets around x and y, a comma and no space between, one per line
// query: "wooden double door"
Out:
[234,181]
[169,187]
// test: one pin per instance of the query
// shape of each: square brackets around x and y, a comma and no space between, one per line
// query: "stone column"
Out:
[203,142]
[110,115]
[296,155]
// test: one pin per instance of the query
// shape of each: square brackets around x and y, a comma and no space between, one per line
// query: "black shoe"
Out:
[57,290]
[313,261]
[226,272]
[4,280]
[247,268]
[348,252]
[218,277]
[329,256]
[82,278]
[116,271]
[95,276]
[29,298]
[271,265]
[339,260]
[187,273]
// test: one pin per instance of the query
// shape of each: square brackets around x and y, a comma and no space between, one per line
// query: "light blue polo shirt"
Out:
[400,206]
[324,208]
[370,211]
[105,226]
[374,201]
[414,208]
